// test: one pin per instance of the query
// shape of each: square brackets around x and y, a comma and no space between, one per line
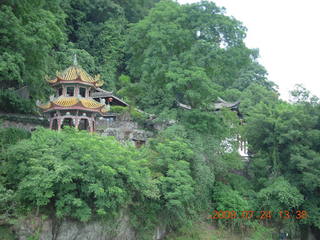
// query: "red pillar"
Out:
[90,125]
[76,91]
[51,121]
[59,124]
[77,121]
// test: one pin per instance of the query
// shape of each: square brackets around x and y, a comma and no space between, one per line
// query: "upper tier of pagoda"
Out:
[75,74]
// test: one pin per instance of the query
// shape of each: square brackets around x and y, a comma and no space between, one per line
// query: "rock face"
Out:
[122,130]
[69,230]
[49,229]
[95,231]
[160,232]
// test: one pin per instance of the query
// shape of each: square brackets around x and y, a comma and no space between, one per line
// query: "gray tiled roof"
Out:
[105,94]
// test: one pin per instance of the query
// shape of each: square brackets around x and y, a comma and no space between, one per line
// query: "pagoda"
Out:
[73,105]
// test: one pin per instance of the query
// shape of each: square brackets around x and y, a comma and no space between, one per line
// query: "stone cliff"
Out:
[44,228]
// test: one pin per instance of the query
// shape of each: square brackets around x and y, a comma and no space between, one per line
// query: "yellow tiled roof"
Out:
[73,73]
[90,103]
[66,101]
[45,106]
[71,101]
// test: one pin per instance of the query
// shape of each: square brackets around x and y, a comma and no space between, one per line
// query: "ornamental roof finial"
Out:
[75,62]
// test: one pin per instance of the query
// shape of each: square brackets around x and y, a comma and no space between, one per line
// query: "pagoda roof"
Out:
[216,106]
[101,93]
[74,74]
[224,104]
[87,104]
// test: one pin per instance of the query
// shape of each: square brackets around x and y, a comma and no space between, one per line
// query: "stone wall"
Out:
[123,128]
[27,122]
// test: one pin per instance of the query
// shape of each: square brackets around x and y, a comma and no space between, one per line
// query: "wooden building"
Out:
[109,97]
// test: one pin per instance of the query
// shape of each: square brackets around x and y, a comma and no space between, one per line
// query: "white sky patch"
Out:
[287,33]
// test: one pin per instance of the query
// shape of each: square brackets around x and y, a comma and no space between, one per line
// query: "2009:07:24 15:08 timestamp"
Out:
[258,214]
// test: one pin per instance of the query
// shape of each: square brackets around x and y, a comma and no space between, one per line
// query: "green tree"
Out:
[171,164]
[284,139]
[99,28]
[29,34]
[279,195]
[188,54]
[76,173]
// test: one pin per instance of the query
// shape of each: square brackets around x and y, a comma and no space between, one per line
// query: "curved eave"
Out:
[55,107]
[59,81]
[73,103]
[108,95]
[120,100]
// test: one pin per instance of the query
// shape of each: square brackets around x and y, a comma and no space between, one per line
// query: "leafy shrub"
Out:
[6,233]
[261,232]
[227,199]
[138,116]
[10,102]
[119,109]
[10,136]
[279,194]
[81,174]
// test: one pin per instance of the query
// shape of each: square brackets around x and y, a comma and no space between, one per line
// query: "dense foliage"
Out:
[80,175]
[156,55]
[285,140]
[40,37]
[76,173]
[189,54]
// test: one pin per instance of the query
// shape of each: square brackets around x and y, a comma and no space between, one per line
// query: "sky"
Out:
[287,34]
